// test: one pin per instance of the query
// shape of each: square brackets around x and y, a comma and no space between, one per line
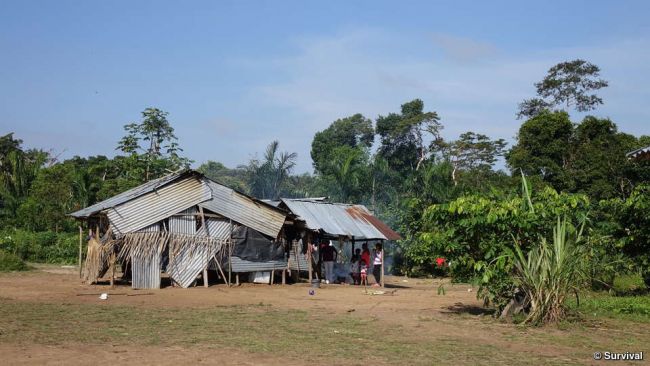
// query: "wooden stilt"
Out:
[237,278]
[205,278]
[221,270]
[113,270]
[272,277]
[284,276]
[382,263]
[80,249]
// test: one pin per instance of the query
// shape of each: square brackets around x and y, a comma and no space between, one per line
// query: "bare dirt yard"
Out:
[48,317]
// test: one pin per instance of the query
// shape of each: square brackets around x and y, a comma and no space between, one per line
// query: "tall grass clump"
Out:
[10,262]
[551,272]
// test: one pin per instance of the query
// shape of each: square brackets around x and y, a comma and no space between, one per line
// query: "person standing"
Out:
[378,258]
[329,255]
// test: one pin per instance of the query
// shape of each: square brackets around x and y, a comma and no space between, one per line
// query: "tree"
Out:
[348,166]
[543,149]
[402,136]
[472,152]
[18,169]
[267,177]
[354,131]
[567,85]
[162,153]
[233,178]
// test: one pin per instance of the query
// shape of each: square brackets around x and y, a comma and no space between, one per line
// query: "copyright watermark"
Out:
[618,356]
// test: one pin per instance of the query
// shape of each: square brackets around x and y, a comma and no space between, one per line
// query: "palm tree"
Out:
[267,177]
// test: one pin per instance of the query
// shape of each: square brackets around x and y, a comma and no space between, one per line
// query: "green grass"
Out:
[323,336]
[635,308]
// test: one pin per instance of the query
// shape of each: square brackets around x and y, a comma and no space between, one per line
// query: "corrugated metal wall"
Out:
[146,271]
[185,224]
[240,265]
[188,258]
[158,205]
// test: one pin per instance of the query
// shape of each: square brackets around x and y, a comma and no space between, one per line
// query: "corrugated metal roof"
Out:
[638,152]
[340,219]
[130,194]
[244,210]
[158,205]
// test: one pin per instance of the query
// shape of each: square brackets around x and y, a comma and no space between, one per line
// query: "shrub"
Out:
[10,262]
[43,247]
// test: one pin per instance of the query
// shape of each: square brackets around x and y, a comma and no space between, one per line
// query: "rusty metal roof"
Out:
[336,219]
[638,153]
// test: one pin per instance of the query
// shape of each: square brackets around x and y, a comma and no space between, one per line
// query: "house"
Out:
[182,224]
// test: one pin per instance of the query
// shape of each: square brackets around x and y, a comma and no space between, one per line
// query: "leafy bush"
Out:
[9,262]
[475,233]
[43,247]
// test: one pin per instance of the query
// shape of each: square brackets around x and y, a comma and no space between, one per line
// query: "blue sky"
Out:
[235,75]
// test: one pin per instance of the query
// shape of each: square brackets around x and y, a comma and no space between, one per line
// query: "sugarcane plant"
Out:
[551,272]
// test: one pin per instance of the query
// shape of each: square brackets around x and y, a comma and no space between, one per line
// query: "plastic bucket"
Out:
[315,283]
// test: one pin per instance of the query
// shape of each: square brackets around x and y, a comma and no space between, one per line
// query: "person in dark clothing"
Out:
[329,255]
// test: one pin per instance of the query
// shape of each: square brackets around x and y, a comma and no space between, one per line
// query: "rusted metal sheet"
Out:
[154,206]
[640,154]
[136,192]
[362,213]
[245,210]
[354,221]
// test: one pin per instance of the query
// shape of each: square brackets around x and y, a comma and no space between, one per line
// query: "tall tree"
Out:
[403,136]
[472,152]
[354,131]
[543,148]
[567,85]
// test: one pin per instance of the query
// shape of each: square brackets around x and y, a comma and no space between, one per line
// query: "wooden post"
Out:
[205,229]
[272,276]
[112,270]
[237,279]
[284,276]
[230,258]
[383,249]
[80,248]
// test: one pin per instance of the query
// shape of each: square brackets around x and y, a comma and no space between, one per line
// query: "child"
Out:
[355,267]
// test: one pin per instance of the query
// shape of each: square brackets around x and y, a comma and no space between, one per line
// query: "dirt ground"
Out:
[412,305]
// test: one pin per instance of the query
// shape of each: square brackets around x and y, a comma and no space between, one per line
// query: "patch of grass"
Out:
[10,262]
[319,337]
[631,284]
[636,308]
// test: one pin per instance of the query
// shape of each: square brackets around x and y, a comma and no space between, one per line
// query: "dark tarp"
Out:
[252,246]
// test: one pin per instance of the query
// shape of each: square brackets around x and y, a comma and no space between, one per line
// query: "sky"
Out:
[236,75]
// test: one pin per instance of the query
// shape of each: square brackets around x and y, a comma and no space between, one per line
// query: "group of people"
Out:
[361,262]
